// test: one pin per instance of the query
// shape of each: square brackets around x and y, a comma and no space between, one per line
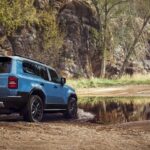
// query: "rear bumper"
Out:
[14,102]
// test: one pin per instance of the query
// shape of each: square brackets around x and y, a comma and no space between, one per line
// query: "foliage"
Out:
[142,11]
[122,23]
[52,37]
[105,10]
[91,101]
[18,13]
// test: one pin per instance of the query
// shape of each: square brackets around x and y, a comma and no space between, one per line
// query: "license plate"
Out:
[1,105]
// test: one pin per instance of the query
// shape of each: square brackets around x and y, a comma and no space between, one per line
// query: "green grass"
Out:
[98,82]
[125,100]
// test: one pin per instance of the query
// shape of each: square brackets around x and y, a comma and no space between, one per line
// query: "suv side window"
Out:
[35,69]
[43,72]
[54,76]
[29,68]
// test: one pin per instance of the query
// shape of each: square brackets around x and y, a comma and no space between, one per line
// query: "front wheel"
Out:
[34,109]
[71,112]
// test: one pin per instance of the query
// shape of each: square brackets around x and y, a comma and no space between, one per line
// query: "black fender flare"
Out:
[73,95]
[39,92]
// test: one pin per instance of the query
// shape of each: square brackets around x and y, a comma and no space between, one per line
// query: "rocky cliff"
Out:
[78,55]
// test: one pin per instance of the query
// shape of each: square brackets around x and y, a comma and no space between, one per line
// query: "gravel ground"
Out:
[55,133]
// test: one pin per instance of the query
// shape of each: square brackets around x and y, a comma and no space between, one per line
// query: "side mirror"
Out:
[63,81]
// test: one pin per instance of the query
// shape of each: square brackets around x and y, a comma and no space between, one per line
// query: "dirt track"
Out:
[130,90]
[57,134]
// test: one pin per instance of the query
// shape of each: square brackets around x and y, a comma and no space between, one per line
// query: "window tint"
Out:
[54,76]
[35,69]
[5,65]
[29,68]
[42,72]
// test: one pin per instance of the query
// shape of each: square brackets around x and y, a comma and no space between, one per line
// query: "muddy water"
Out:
[115,110]
[105,110]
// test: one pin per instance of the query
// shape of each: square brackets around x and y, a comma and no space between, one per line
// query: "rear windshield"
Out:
[5,65]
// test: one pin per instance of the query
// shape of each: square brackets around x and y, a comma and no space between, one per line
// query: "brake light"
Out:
[12,82]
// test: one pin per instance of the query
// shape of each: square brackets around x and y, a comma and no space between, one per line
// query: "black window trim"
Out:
[49,76]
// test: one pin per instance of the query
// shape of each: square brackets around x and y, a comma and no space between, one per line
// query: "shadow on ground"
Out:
[47,118]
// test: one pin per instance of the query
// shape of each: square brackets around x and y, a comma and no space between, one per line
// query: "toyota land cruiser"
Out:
[31,88]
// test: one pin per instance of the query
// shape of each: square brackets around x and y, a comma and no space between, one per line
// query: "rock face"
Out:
[77,20]
[78,56]
[5,45]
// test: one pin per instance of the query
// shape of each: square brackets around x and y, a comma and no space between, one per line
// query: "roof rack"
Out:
[29,59]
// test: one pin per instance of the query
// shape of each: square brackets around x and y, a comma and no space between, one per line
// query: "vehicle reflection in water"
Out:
[116,110]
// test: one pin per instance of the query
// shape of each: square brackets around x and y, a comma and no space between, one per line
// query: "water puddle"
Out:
[114,110]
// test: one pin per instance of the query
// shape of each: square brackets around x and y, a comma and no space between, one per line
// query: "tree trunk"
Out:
[104,42]
[131,49]
[103,66]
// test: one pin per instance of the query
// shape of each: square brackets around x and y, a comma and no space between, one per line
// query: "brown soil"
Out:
[54,133]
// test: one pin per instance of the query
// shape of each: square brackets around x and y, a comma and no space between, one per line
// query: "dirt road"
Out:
[57,134]
[130,90]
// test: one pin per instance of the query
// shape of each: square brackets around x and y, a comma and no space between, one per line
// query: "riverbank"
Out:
[137,79]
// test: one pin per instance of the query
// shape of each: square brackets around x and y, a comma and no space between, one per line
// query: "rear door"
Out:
[5,69]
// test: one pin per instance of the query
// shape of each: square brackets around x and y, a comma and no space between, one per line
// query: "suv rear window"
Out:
[5,65]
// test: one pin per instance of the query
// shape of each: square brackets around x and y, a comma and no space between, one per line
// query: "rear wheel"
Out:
[34,109]
[71,112]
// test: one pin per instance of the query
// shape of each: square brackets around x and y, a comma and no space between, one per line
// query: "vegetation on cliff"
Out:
[106,38]
[18,14]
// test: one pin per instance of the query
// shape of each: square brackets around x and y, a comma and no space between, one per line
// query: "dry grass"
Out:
[126,100]
[137,79]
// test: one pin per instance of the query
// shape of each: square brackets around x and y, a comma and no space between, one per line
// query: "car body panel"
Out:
[55,93]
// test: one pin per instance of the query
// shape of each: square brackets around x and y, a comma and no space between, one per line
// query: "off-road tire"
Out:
[33,111]
[72,108]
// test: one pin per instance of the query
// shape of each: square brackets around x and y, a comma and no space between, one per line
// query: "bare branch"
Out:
[115,4]
[131,49]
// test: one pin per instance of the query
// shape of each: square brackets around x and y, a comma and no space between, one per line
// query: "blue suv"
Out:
[31,88]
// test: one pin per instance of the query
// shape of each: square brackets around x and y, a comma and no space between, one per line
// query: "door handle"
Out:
[42,84]
[55,87]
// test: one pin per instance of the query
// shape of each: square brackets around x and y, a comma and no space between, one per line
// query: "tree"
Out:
[141,9]
[106,10]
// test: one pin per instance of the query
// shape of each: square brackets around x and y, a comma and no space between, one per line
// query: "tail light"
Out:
[12,82]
